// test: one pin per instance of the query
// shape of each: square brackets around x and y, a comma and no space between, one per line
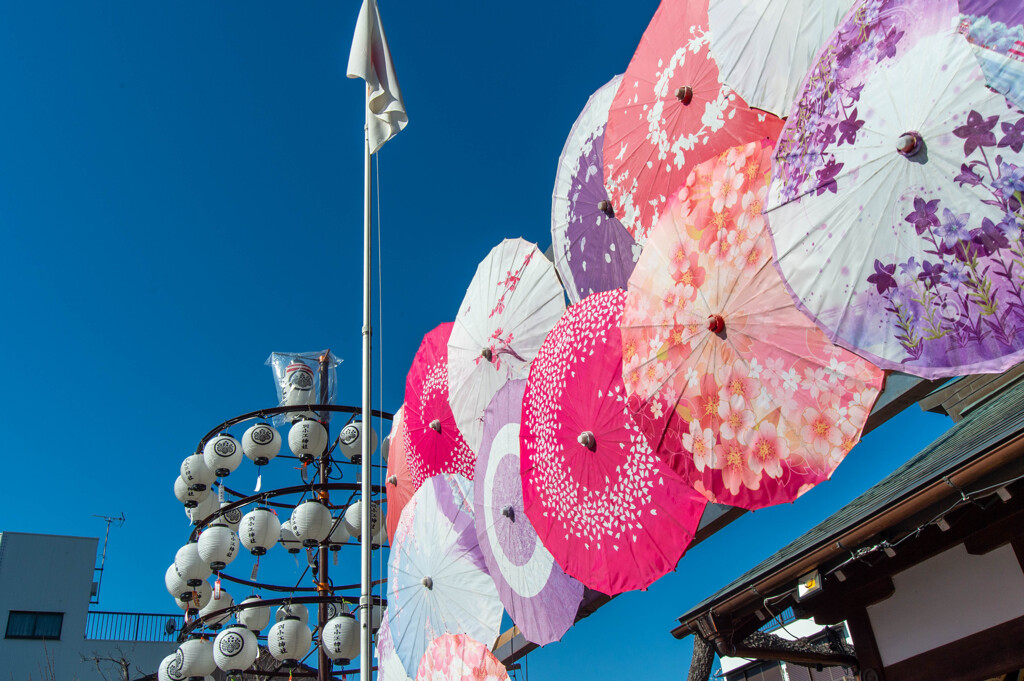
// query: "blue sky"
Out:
[181,194]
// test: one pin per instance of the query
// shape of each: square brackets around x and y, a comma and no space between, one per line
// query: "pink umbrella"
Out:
[741,393]
[670,113]
[457,657]
[611,513]
[433,443]
[398,484]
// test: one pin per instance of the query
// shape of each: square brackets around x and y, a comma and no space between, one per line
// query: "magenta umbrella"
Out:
[541,599]
[611,513]
[433,443]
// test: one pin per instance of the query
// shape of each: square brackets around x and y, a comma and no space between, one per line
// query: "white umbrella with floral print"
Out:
[511,304]
[896,206]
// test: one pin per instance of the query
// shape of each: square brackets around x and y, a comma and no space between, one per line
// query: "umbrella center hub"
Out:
[684,94]
[509,512]
[587,439]
[427,582]
[716,323]
[910,143]
[436,425]
[393,480]
[486,354]
[605,206]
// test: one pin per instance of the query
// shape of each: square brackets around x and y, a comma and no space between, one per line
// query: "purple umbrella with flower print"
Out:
[593,251]
[541,599]
[437,578]
[895,208]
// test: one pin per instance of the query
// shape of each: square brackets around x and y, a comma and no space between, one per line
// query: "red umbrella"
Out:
[398,485]
[611,513]
[670,113]
[433,443]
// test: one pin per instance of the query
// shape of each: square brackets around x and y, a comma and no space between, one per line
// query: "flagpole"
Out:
[366,595]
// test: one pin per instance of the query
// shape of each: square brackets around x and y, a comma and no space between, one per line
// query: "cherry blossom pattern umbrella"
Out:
[995,29]
[541,599]
[398,484]
[896,205]
[609,511]
[512,302]
[457,657]
[437,579]
[433,443]
[389,666]
[593,251]
[670,113]
[764,48]
[741,394]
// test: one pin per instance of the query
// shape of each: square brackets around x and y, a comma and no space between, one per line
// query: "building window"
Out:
[42,625]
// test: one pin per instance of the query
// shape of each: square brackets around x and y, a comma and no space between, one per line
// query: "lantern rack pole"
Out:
[322,580]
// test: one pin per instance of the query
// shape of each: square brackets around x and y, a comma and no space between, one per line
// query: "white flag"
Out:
[370,60]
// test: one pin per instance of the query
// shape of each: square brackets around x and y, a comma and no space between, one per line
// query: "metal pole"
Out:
[324,668]
[365,600]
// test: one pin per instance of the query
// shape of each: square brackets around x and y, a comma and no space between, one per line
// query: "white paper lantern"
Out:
[340,638]
[307,439]
[197,599]
[311,522]
[190,566]
[170,668]
[288,641]
[256,618]
[298,387]
[196,473]
[354,519]
[339,535]
[259,530]
[288,539]
[197,657]
[218,546]
[188,496]
[216,605]
[222,454]
[204,510]
[261,443]
[235,649]
[350,442]
[231,518]
[176,586]
[296,610]
[381,537]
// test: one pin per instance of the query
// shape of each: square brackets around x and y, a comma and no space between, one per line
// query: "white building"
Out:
[46,584]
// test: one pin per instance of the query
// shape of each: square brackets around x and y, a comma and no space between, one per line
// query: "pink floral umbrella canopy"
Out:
[398,484]
[433,443]
[744,396]
[611,513]
[437,579]
[670,113]
[511,304]
[457,657]
[541,599]
[896,207]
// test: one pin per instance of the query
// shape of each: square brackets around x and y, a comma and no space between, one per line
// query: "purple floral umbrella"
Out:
[437,578]
[593,251]
[541,599]
[895,208]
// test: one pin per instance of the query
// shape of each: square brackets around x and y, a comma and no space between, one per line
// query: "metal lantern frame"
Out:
[323,594]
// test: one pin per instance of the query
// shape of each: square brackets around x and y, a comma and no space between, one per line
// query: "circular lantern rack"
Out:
[221,533]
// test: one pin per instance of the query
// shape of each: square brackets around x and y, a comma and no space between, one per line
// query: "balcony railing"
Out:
[132,626]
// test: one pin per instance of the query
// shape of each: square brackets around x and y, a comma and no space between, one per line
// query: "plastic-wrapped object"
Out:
[297,379]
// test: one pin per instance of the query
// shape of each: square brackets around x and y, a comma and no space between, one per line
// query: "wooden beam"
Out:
[832,606]
[863,635]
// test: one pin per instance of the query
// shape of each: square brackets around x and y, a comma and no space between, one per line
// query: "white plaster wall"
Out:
[945,598]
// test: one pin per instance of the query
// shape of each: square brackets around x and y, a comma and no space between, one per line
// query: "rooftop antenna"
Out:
[103,558]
